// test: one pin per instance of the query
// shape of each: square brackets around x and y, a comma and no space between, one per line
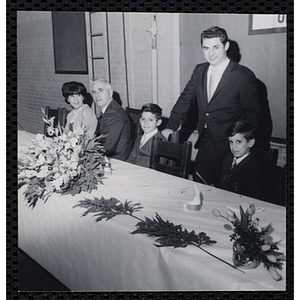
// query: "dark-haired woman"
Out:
[81,119]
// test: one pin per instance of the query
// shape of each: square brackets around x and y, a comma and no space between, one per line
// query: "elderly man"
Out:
[113,122]
[225,92]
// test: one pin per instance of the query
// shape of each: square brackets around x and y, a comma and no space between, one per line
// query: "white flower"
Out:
[63,137]
[26,160]
[65,177]
[256,226]
[40,160]
[272,258]
[78,131]
[275,275]
[57,183]
[70,134]
[50,131]
[57,174]
[67,145]
[265,247]
[73,173]
[56,130]
[73,141]
[30,173]
[43,172]
[75,157]
[251,210]
[229,212]
[216,213]
[39,137]
[73,165]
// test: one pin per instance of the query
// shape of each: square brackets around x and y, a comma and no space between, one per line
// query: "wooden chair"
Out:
[163,152]
[174,137]
[268,161]
[60,115]
[134,116]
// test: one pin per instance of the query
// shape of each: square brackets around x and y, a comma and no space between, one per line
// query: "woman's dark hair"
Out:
[214,32]
[73,88]
[153,108]
[244,127]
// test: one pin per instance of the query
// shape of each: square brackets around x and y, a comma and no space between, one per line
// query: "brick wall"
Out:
[38,85]
[178,51]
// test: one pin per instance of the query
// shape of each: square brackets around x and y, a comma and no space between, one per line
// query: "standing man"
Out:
[225,92]
[113,122]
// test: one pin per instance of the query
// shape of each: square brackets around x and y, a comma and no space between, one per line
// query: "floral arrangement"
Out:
[51,129]
[167,233]
[252,243]
[61,164]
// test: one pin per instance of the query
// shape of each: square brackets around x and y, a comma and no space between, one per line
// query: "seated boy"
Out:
[240,171]
[150,119]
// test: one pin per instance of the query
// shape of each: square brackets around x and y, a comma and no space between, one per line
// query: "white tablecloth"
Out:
[104,256]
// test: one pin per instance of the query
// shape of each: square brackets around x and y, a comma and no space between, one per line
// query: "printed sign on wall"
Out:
[261,24]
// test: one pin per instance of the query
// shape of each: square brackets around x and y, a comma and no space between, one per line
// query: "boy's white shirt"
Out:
[238,160]
[147,136]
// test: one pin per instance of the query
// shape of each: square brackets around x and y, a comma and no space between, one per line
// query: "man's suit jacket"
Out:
[244,178]
[115,126]
[235,98]
[141,155]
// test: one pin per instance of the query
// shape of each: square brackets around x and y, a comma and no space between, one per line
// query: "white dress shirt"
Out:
[218,72]
[147,136]
[105,107]
[238,160]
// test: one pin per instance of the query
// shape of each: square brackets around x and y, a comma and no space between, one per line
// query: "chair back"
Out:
[174,137]
[267,159]
[171,158]
[134,116]
[60,115]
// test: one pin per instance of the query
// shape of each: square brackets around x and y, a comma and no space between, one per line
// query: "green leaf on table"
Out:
[168,234]
[107,208]
[244,218]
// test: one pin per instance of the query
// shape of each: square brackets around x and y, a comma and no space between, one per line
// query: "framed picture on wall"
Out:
[69,42]
[262,24]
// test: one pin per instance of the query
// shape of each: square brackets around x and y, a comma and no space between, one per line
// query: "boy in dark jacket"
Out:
[150,119]
[240,171]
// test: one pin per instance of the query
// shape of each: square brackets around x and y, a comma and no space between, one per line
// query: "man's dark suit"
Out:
[235,98]
[115,125]
[244,178]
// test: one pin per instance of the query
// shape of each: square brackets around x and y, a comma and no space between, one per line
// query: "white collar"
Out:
[150,134]
[105,107]
[147,136]
[238,160]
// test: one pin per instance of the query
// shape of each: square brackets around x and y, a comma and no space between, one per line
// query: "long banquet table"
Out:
[104,256]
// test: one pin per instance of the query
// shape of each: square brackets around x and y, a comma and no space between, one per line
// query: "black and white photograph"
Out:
[152,151]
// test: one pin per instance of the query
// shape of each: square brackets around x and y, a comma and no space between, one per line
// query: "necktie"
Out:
[97,132]
[211,85]
[234,163]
